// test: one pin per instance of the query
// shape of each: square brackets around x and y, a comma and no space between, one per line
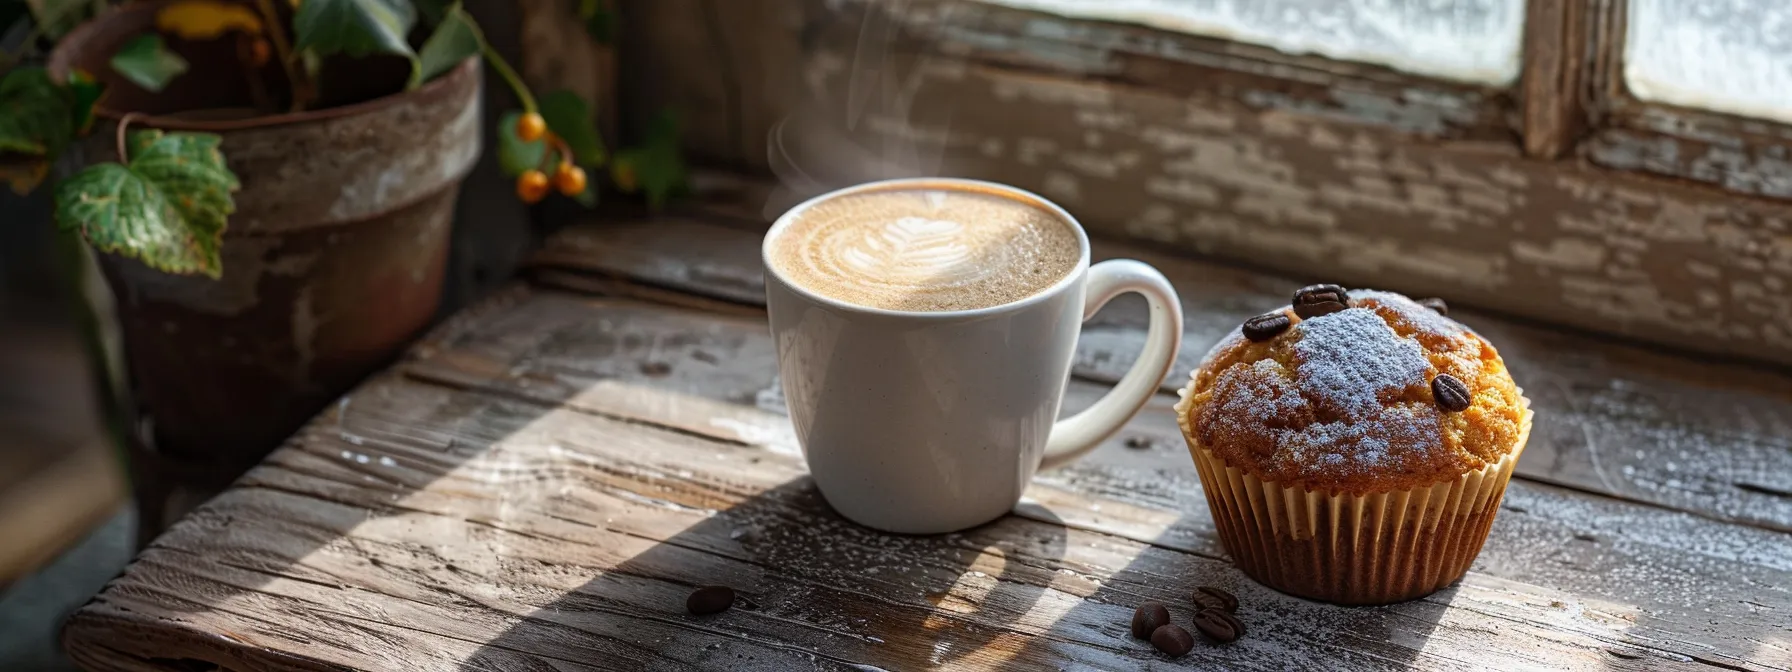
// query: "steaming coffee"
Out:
[926,249]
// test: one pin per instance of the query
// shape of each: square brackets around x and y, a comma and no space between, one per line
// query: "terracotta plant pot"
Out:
[333,260]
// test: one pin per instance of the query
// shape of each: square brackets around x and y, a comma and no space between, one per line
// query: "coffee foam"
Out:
[926,250]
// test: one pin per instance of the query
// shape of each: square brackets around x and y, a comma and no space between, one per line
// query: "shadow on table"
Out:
[814,591]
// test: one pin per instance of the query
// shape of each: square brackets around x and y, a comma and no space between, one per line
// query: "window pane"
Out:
[1475,41]
[1725,55]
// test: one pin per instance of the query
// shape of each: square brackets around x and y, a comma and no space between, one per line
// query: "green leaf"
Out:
[657,165]
[56,17]
[167,208]
[148,63]
[357,28]
[434,11]
[515,155]
[35,117]
[23,175]
[600,20]
[84,95]
[570,118]
[456,38]
[588,197]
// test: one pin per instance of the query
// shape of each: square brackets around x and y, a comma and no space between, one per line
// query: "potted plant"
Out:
[269,186]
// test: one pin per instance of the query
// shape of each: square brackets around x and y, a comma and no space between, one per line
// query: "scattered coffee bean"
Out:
[1218,625]
[1266,326]
[1148,618]
[1209,597]
[710,600]
[1436,304]
[1173,640]
[1451,394]
[1315,300]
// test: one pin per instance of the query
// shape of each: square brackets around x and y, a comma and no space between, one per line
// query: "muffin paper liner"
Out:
[1353,549]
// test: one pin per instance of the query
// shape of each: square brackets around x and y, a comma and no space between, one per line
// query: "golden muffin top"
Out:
[1369,392]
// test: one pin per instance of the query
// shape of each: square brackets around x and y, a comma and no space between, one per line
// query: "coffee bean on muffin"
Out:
[1148,618]
[1209,597]
[1173,640]
[1316,300]
[710,600]
[1266,326]
[1436,304]
[1450,392]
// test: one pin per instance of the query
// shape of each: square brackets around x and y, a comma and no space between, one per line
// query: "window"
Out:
[1617,165]
[1731,56]
[1475,41]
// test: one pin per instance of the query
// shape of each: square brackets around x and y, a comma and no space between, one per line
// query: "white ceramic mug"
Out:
[931,422]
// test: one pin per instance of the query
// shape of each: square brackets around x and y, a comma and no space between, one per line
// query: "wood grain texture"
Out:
[589,461]
[1359,175]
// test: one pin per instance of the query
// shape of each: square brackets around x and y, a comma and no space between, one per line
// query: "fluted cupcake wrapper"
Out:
[1353,549]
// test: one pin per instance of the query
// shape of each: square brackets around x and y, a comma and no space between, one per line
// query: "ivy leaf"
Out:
[23,175]
[434,11]
[570,118]
[56,17]
[34,114]
[206,19]
[456,38]
[357,28]
[515,155]
[168,207]
[84,96]
[655,167]
[148,63]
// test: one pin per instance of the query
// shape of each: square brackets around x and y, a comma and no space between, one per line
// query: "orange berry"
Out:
[531,127]
[569,179]
[531,186]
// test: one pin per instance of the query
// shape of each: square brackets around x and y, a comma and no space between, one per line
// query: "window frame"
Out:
[1596,237]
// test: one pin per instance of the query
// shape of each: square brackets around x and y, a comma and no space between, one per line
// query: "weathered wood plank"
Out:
[600,552]
[1706,437]
[417,516]
[1557,40]
[1145,486]
[1356,192]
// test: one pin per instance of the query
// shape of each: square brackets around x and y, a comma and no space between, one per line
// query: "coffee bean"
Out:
[1266,326]
[1209,597]
[1451,394]
[1325,291]
[1436,304]
[1218,625]
[1173,640]
[1308,311]
[1147,618]
[1315,300]
[710,600]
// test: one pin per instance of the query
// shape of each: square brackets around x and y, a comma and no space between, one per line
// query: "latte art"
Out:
[927,250]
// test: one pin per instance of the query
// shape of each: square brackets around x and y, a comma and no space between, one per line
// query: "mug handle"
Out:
[1076,435]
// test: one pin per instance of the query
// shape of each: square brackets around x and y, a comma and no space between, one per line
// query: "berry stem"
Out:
[510,77]
[124,122]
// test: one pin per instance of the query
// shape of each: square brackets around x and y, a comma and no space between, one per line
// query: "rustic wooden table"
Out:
[541,482]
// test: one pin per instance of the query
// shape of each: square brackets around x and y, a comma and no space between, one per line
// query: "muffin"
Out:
[1354,446]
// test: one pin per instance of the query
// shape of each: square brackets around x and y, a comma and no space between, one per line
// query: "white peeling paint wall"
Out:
[1474,41]
[1730,56]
